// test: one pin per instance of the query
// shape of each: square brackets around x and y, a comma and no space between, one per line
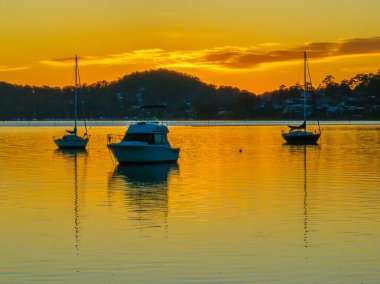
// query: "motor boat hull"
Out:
[126,154]
[77,142]
[301,138]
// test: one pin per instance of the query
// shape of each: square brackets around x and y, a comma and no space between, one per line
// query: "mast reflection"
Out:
[302,149]
[72,155]
[145,191]
[305,213]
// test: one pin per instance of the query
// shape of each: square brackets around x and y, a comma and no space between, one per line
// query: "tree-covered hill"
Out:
[186,97]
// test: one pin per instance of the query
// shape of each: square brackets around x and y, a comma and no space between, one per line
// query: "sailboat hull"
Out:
[71,141]
[301,138]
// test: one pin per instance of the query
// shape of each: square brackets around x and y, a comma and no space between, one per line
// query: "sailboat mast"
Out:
[76,94]
[305,88]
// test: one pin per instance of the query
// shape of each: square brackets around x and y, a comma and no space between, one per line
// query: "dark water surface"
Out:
[269,214]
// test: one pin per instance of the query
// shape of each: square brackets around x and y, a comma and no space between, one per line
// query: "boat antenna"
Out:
[76,95]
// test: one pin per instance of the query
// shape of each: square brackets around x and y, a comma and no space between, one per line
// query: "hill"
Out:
[186,97]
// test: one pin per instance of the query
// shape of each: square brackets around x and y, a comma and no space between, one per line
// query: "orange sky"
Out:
[254,45]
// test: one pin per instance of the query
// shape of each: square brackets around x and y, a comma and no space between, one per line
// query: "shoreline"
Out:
[92,123]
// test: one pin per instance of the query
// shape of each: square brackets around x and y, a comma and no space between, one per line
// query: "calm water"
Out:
[269,214]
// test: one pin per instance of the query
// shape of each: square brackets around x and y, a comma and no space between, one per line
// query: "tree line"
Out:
[185,96]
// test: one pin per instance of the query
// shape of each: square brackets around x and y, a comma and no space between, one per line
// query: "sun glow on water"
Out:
[220,214]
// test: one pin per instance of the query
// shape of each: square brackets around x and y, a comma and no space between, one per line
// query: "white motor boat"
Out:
[143,142]
[71,139]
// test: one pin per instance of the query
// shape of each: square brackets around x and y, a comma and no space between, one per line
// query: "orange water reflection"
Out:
[264,214]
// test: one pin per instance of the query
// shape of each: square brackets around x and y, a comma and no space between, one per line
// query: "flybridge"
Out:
[147,127]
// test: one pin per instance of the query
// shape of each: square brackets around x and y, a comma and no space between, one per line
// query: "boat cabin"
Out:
[152,133]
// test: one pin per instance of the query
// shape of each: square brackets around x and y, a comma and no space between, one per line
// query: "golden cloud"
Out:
[232,58]
[9,69]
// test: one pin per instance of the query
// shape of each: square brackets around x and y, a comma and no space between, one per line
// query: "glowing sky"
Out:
[250,44]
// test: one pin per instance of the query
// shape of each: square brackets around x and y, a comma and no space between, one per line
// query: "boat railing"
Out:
[159,122]
[114,138]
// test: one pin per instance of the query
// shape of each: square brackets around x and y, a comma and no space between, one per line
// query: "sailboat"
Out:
[71,139]
[298,134]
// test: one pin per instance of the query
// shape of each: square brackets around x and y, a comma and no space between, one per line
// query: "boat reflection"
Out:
[305,213]
[145,191]
[302,150]
[147,174]
[71,154]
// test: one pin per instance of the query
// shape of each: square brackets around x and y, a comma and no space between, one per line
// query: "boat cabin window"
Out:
[151,138]
[159,138]
[141,137]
